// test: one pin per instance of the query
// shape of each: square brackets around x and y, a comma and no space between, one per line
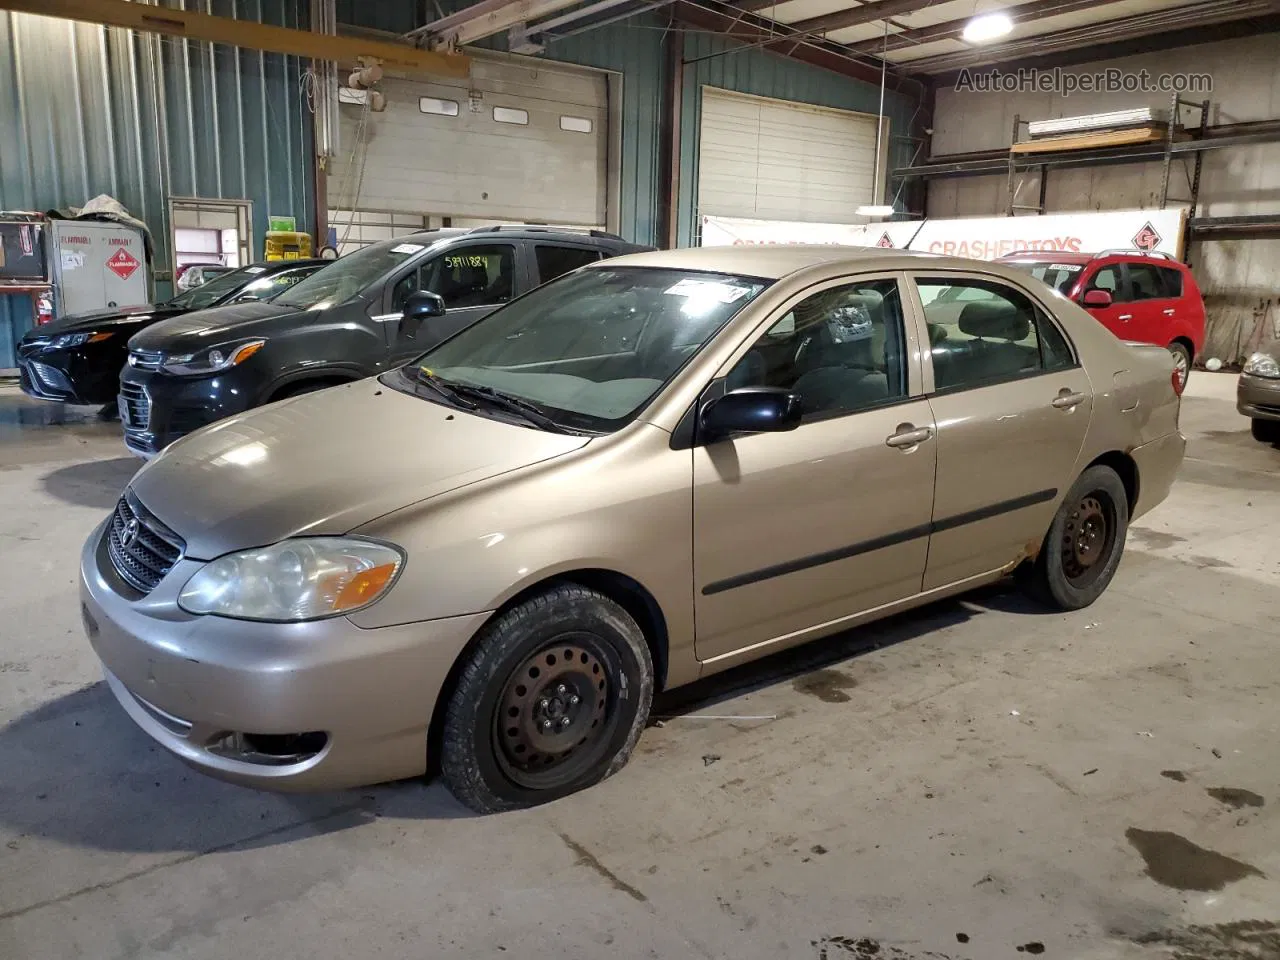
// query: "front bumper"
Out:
[69,375]
[1258,397]
[158,408]
[199,684]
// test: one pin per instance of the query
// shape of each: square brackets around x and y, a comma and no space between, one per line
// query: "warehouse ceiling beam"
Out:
[190,25]
[735,24]
[840,19]
[484,19]
[1197,15]
[954,29]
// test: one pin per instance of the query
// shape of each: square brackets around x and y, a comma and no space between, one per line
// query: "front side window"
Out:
[1108,279]
[350,275]
[841,350]
[270,287]
[592,349]
[462,277]
[223,285]
[999,334]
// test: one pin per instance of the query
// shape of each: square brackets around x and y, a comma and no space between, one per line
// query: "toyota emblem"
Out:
[129,535]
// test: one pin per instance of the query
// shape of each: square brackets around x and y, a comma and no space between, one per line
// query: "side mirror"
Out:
[423,304]
[751,410]
[1097,298]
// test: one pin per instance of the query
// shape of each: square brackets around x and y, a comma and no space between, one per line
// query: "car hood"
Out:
[208,328]
[326,463]
[99,320]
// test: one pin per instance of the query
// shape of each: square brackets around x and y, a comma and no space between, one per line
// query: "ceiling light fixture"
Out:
[986,27]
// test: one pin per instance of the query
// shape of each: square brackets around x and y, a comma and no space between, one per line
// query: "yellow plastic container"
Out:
[288,245]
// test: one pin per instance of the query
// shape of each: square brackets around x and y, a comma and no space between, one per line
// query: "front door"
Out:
[1118,318]
[473,280]
[796,530]
[1012,406]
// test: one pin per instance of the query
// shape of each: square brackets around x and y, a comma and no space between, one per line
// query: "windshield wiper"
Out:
[443,387]
[523,408]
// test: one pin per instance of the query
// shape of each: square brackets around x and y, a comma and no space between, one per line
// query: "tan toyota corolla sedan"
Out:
[638,475]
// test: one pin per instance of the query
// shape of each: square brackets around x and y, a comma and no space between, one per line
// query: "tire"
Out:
[1085,542]
[497,753]
[1181,361]
[1265,431]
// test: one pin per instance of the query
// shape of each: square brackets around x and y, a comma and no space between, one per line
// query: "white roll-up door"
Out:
[515,142]
[766,159]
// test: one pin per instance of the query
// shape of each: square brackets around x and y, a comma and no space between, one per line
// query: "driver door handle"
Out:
[1067,401]
[1125,316]
[908,436]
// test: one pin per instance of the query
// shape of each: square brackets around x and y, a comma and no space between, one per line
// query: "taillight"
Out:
[1178,384]
[44,307]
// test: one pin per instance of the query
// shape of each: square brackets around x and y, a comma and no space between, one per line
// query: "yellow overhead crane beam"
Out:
[246,33]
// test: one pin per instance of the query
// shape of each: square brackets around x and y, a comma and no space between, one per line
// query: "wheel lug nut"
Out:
[546,725]
[544,704]
[574,700]
[562,689]
[564,721]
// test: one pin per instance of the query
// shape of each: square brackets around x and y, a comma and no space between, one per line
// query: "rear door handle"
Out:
[909,435]
[1125,316]
[1068,401]
[1170,312]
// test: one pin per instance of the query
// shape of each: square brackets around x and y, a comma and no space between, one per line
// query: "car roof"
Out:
[1048,256]
[276,265]
[770,262]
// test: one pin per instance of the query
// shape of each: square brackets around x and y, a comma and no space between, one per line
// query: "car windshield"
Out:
[207,294]
[348,276]
[1060,276]
[590,350]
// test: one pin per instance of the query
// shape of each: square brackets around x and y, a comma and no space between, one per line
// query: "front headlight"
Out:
[212,359]
[304,579]
[1263,365]
[78,339]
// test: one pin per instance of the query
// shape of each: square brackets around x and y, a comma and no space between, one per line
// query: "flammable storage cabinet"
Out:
[97,265]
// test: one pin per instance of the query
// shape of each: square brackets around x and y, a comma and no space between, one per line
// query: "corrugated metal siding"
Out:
[749,70]
[632,48]
[90,110]
[16,311]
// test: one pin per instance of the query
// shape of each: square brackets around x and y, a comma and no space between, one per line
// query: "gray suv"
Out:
[361,315]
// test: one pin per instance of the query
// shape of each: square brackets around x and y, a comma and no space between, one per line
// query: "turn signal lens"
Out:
[364,587]
[245,352]
[99,337]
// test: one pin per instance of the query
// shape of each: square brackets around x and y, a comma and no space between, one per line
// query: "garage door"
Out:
[514,142]
[777,160]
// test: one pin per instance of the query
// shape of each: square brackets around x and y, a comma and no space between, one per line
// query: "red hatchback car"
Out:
[1144,297]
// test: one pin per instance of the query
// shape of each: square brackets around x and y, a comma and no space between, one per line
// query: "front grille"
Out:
[145,359]
[135,406]
[141,550]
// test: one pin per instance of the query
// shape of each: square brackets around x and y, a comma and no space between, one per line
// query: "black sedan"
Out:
[78,359]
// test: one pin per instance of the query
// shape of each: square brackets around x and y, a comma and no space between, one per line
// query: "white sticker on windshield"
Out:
[1064,266]
[255,269]
[709,289]
[408,248]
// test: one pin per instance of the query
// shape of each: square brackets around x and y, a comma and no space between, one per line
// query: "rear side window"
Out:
[1146,281]
[987,333]
[1172,282]
[556,261]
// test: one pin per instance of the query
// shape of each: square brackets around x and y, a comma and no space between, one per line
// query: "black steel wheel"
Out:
[1084,544]
[551,699]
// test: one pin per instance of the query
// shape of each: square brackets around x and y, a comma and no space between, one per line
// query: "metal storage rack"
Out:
[1181,142]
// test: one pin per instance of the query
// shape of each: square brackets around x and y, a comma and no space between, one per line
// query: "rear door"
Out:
[1012,406]
[473,279]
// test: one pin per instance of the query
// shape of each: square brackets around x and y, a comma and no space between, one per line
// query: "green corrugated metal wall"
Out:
[750,70]
[79,106]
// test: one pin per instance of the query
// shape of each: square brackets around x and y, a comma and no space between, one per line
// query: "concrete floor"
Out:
[974,781]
